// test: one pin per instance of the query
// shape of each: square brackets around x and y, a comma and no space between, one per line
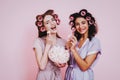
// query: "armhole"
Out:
[95,47]
[38,43]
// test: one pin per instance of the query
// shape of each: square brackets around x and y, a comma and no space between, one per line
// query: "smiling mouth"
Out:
[53,28]
[82,29]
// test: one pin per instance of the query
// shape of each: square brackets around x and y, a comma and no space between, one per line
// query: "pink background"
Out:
[18,31]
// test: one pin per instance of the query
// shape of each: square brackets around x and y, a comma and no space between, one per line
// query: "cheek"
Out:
[77,27]
[47,27]
[87,27]
[55,22]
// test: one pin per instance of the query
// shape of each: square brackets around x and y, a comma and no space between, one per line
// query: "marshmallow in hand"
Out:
[48,32]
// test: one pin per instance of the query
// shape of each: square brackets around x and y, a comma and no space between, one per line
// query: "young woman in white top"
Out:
[47,37]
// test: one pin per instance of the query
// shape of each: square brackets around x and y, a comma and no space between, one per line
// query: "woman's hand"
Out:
[60,65]
[49,42]
[68,45]
[49,39]
[72,42]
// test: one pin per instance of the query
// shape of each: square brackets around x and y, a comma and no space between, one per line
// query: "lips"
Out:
[82,29]
[53,28]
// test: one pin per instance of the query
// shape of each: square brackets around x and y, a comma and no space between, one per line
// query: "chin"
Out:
[54,32]
[82,32]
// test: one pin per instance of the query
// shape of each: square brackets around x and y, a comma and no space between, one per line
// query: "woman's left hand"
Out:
[60,65]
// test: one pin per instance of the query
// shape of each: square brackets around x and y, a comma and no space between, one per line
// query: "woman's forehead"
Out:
[47,17]
[80,19]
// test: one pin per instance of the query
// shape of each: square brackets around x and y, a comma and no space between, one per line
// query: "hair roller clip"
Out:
[91,22]
[58,21]
[39,24]
[42,29]
[71,23]
[73,29]
[71,18]
[83,13]
[88,18]
[55,16]
[39,18]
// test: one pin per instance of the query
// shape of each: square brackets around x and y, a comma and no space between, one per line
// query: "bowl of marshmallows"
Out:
[58,54]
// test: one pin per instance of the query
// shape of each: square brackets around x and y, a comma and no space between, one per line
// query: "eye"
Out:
[53,19]
[76,24]
[83,22]
[47,22]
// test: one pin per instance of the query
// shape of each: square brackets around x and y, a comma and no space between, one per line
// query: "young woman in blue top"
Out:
[83,45]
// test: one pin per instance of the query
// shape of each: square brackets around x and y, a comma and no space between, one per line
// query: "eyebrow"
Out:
[83,21]
[49,20]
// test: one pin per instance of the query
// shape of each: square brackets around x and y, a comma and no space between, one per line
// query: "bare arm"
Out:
[41,56]
[84,64]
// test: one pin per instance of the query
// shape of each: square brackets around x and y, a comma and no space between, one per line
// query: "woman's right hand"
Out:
[48,43]
[60,65]
[49,40]
[68,45]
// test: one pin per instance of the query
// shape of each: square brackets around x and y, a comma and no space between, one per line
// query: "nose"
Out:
[51,22]
[79,25]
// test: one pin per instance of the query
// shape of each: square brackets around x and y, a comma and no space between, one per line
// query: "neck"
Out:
[54,40]
[82,40]
[84,37]
[54,36]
